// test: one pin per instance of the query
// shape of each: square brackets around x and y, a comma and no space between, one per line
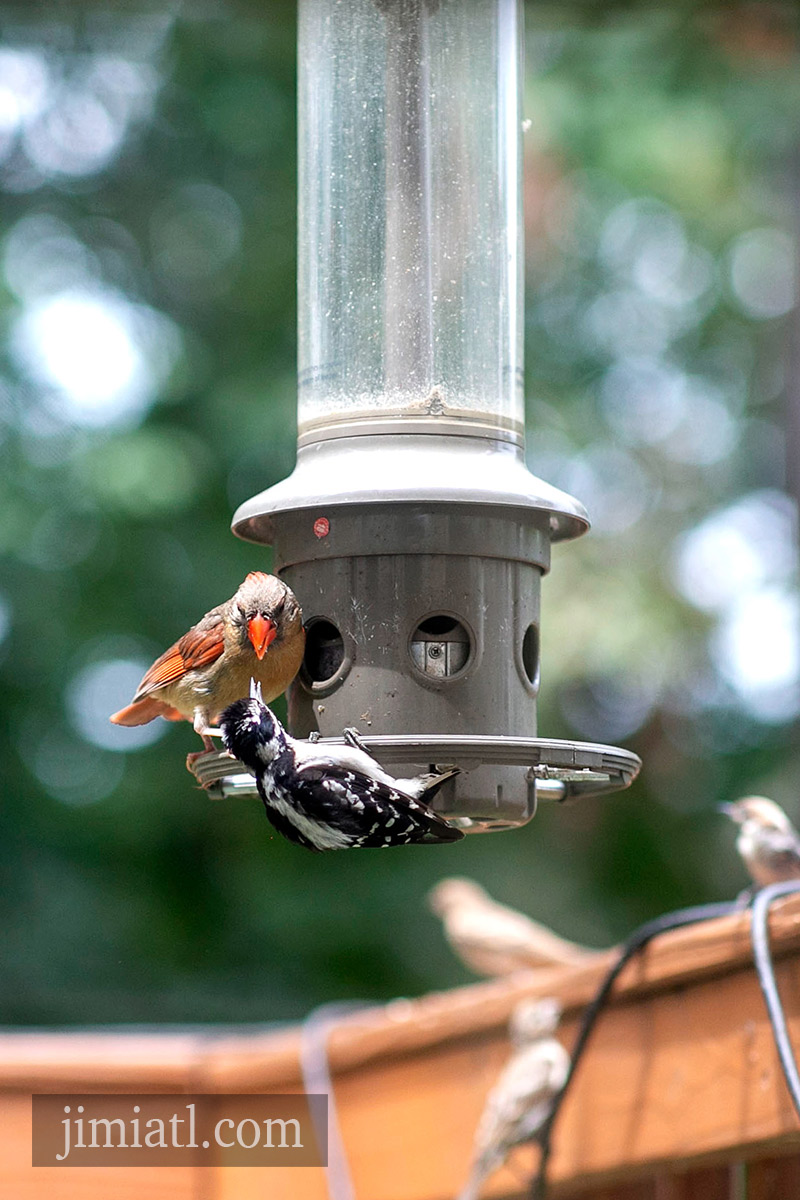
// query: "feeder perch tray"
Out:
[562,770]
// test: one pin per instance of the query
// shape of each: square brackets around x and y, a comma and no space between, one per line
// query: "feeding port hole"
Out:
[324,653]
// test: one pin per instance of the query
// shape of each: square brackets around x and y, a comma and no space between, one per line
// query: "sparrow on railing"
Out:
[768,842]
[493,939]
[520,1102]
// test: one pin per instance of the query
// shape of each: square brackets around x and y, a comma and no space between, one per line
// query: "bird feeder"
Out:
[411,530]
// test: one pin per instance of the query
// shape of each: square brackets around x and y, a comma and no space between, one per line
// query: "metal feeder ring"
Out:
[557,769]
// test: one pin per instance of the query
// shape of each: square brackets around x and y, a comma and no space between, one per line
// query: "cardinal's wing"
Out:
[203,644]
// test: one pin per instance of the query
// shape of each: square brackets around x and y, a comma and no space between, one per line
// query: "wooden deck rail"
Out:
[680,1086]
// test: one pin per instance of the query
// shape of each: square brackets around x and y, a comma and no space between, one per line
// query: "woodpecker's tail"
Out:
[428,785]
[423,788]
[438,828]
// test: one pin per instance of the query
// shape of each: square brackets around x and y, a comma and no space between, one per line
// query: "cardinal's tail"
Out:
[143,711]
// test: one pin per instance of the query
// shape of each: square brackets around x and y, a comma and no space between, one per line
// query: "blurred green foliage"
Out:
[147,214]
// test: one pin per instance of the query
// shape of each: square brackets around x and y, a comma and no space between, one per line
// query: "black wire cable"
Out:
[630,948]
[765,968]
[316,1070]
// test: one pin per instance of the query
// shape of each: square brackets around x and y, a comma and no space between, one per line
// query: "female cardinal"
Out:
[257,634]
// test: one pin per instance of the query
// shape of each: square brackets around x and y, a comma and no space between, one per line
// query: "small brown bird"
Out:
[520,1102]
[257,634]
[492,939]
[768,842]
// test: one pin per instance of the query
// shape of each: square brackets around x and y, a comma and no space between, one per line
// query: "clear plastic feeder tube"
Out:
[410,289]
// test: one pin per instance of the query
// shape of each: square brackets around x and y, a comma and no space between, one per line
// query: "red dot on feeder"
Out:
[322,527]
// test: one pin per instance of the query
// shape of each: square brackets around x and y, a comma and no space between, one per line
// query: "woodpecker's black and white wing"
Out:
[325,806]
[353,758]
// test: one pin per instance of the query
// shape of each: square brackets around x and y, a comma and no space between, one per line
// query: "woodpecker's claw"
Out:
[352,738]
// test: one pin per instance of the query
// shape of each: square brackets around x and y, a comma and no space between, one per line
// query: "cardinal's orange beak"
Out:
[262,633]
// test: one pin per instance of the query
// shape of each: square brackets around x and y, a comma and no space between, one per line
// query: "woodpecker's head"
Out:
[534,1019]
[251,732]
[759,813]
[454,893]
[264,610]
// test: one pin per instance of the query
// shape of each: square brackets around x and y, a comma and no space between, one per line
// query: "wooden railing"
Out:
[679,1097]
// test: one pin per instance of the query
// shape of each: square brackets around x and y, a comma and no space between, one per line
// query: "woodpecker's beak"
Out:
[262,633]
[730,810]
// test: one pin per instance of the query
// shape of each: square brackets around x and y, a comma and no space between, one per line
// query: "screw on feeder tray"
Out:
[411,531]
[440,646]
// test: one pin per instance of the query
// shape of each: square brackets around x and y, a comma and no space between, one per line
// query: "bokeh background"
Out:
[147,357]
